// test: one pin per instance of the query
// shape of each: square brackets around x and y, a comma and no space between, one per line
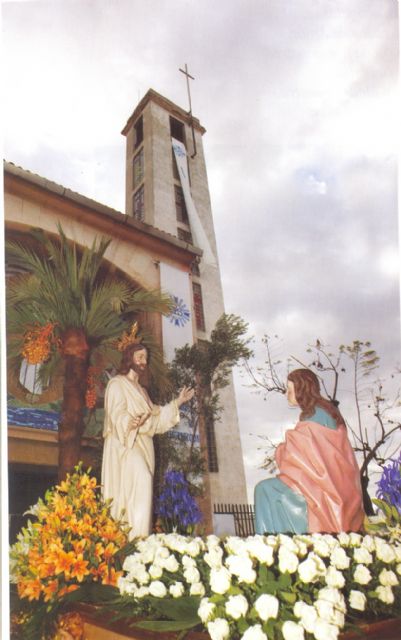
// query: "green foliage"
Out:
[206,366]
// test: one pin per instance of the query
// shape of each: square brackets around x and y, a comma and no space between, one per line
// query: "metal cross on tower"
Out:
[188,76]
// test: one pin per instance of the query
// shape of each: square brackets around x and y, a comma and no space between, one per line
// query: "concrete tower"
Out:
[167,188]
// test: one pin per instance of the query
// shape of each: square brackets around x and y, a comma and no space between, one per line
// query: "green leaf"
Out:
[176,608]
[167,625]
[288,596]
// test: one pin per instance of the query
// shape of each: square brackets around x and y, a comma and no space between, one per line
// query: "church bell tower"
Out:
[167,188]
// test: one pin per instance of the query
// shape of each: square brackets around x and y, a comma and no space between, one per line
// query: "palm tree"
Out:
[89,309]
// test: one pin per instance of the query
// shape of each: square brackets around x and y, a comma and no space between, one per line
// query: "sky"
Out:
[300,100]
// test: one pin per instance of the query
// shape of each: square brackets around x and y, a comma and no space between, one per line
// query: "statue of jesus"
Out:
[131,421]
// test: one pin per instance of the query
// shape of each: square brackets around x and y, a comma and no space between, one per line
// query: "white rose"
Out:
[385,594]
[242,567]
[192,575]
[339,558]
[126,586]
[171,564]
[388,578]
[287,542]
[214,557]
[142,592]
[161,553]
[157,589]
[362,574]
[292,631]
[287,561]
[384,551]
[142,576]
[321,547]
[397,551]
[220,580]
[130,563]
[369,542]
[334,596]
[357,600]
[259,550]
[311,568]
[335,578]
[235,545]
[323,630]
[266,606]
[206,609]
[155,571]
[355,539]
[362,555]
[212,541]
[325,610]
[338,618]
[177,589]
[399,569]
[237,606]
[194,547]
[254,633]
[196,589]
[218,629]
[301,546]
[188,562]
[307,614]
[343,539]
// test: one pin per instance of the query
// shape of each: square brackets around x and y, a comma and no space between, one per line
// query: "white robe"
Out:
[128,454]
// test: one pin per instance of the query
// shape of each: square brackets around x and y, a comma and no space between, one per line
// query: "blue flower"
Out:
[176,507]
[389,485]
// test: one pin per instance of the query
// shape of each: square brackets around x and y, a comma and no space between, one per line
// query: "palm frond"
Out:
[156,301]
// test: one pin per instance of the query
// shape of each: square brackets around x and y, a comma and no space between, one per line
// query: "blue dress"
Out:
[279,509]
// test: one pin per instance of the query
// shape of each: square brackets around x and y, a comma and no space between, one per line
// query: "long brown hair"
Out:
[126,360]
[307,394]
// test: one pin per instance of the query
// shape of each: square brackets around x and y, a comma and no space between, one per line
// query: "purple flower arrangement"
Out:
[176,508]
[389,485]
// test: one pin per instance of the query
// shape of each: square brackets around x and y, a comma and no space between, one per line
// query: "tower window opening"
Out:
[198,306]
[177,130]
[182,234]
[213,462]
[139,204]
[138,169]
[180,206]
[138,129]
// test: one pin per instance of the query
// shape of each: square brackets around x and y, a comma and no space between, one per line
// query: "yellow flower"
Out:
[64,561]
[30,589]
[50,589]
[79,568]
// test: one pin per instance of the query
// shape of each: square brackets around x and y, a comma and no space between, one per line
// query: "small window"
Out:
[184,235]
[177,129]
[138,128]
[139,204]
[198,307]
[213,462]
[138,169]
[195,268]
[180,206]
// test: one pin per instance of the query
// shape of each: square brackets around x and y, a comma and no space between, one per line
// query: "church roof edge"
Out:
[79,199]
[152,96]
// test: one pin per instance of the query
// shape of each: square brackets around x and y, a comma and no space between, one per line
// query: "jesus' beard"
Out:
[142,373]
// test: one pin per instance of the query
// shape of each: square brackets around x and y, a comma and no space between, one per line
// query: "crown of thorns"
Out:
[128,338]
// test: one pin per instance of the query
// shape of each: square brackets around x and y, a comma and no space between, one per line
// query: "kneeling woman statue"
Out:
[318,487]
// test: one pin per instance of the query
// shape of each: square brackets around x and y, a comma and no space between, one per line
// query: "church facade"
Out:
[165,239]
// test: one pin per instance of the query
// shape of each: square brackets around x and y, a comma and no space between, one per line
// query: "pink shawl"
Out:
[320,464]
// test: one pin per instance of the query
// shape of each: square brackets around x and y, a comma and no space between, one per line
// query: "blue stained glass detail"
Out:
[180,315]
[34,418]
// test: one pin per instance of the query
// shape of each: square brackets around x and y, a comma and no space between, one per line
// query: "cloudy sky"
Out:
[299,99]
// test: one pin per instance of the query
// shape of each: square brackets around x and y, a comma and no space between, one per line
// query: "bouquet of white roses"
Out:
[291,588]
